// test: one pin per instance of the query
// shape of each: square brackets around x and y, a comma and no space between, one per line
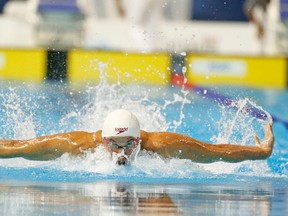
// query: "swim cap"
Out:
[121,123]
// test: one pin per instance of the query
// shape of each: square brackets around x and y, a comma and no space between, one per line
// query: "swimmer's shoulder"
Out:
[152,140]
[91,139]
[148,139]
[97,136]
[144,136]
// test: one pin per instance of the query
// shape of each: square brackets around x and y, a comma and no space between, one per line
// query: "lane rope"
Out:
[178,80]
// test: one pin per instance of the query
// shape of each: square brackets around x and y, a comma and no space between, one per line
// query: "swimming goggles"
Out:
[130,144]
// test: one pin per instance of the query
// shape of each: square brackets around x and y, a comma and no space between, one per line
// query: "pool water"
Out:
[93,185]
[126,198]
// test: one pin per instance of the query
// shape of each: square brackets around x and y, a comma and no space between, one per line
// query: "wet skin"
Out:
[165,144]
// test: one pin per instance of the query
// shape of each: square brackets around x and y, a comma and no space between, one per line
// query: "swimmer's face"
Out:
[119,145]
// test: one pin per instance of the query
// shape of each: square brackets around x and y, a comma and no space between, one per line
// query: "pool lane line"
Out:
[178,80]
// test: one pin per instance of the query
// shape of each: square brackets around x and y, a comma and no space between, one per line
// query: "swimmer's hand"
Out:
[268,142]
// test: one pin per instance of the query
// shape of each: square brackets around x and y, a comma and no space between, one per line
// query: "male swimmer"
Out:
[121,136]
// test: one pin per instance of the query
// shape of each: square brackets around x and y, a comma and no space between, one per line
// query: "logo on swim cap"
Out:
[121,130]
[121,123]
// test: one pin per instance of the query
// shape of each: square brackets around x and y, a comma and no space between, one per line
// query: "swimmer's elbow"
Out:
[261,154]
[267,153]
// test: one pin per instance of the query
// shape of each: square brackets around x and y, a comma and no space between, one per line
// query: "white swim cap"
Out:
[121,123]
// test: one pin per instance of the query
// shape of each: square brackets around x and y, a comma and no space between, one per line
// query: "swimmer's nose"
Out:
[122,160]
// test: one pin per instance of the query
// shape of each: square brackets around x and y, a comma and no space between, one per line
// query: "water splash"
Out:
[183,101]
[238,126]
[104,98]
[19,121]
[233,127]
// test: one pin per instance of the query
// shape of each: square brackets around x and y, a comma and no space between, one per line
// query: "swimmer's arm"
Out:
[176,145]
[50,147]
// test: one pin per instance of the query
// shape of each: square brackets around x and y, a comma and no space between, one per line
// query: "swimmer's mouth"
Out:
[122,160]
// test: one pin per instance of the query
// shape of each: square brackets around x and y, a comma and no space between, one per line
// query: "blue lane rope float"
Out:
[179,80]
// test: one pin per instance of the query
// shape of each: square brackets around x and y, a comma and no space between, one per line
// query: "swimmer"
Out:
[122,137]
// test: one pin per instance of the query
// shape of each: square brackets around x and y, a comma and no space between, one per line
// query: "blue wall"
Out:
[218,10]
[2,3]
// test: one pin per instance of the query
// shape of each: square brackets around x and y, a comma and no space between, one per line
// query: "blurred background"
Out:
[238,36]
